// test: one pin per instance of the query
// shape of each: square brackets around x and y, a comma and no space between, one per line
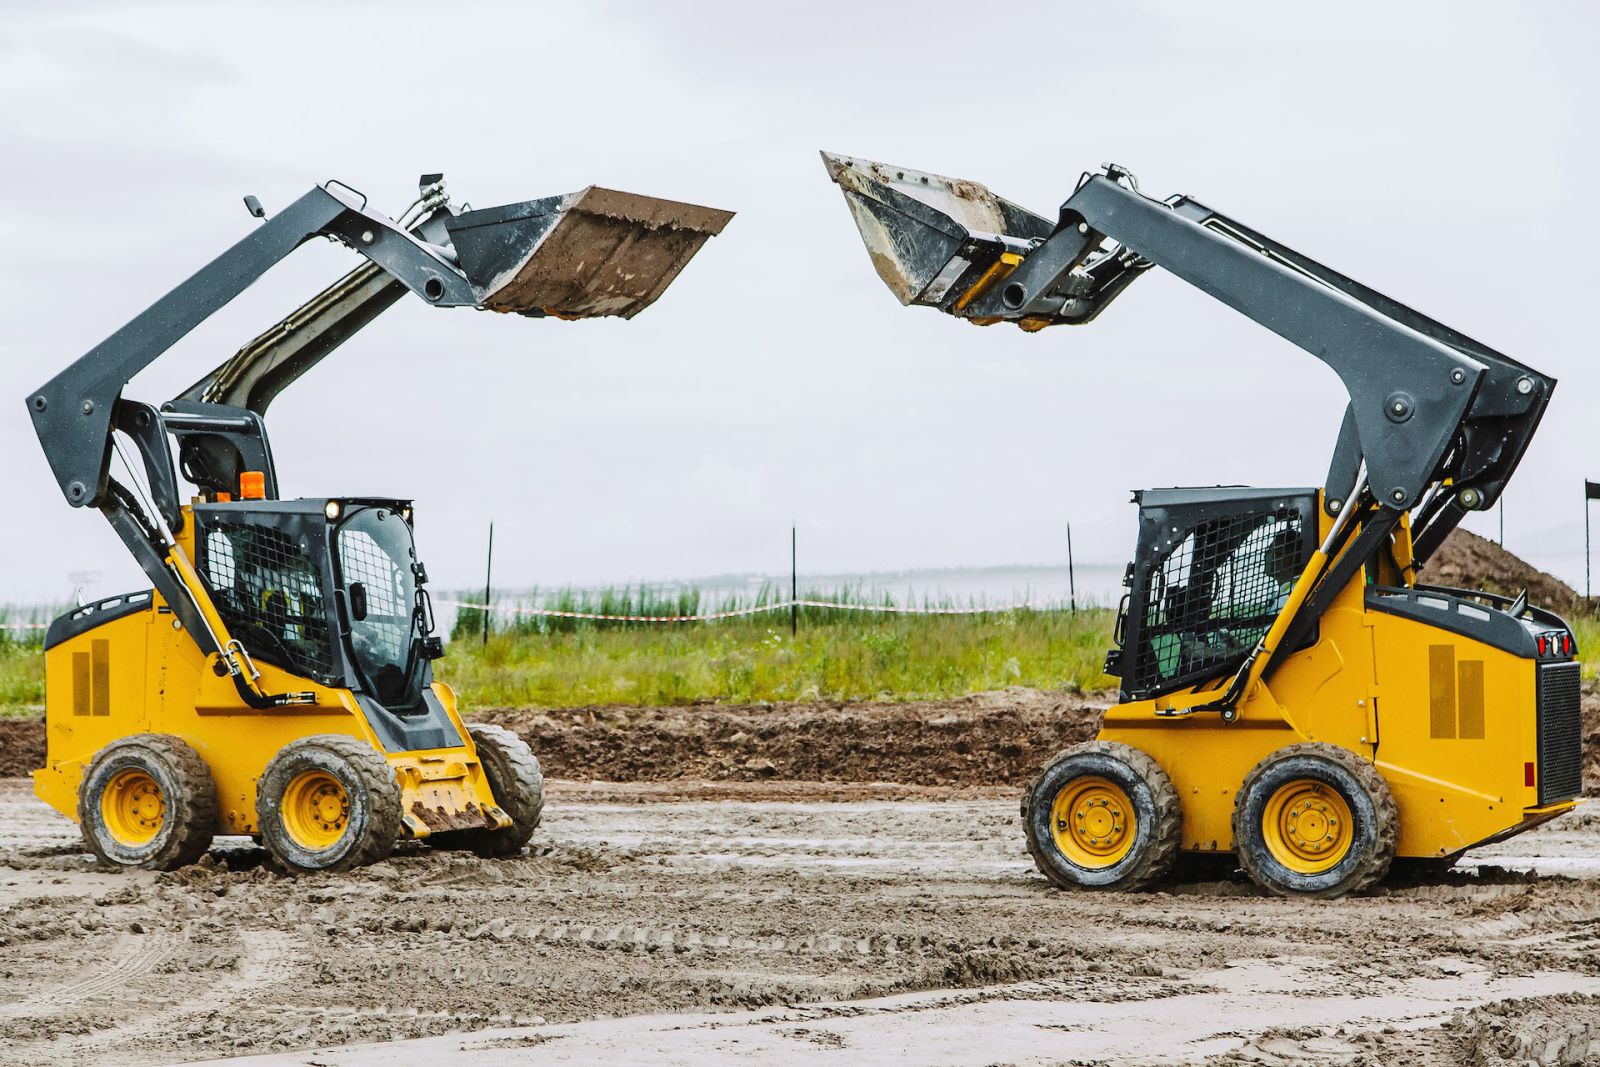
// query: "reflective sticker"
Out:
[1441,691]
[1469,701]
[80,683]
[100,669]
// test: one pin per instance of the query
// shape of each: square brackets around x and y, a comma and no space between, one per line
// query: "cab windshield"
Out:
[376,555]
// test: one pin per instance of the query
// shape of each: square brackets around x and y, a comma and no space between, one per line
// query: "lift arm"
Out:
[1436,422]
[1439,420]
[527,258]
[593,253]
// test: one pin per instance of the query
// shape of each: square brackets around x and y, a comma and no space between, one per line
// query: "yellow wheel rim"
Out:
[1307,826]
[315,810]
[1093,822]
[132,807]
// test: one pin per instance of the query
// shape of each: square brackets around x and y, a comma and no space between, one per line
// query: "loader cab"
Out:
[328,589]
[1211,570]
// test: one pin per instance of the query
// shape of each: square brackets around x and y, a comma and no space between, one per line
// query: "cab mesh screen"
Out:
[268,590]
[387,625]
[1213,596]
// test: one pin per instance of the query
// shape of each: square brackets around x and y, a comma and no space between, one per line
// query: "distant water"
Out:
[977,586]
[1042,587]
[1096,584]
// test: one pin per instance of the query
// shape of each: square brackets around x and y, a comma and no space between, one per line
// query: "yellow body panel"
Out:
[1449,722]
[141,673]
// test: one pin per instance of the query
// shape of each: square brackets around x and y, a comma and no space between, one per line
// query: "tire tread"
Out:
[196,810]
[524,799]
[382,830]
[1166,833]
[1386,833]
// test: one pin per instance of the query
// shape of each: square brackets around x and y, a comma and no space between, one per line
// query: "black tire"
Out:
[171,790]
[364,832]
[1374,820]
[518,787]
[1158,817]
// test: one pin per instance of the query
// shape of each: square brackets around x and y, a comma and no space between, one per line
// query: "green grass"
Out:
[1586,631]
[835,656]
[21,671]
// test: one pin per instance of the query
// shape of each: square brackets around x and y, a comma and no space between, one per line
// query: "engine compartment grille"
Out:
[1560,732]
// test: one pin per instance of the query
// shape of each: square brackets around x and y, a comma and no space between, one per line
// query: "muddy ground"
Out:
[793,884]
[813,923]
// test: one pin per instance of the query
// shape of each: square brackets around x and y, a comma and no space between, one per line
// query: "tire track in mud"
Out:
[627,909]
[264,961]
[148,951]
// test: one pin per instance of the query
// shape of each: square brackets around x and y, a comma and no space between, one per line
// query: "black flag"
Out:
[1591,490]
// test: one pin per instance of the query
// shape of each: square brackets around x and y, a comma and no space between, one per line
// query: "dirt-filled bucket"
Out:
[587,254]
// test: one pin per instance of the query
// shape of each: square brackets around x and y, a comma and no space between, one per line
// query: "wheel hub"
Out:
[132,807]
[1307,826]
[1092,822]
[315,810]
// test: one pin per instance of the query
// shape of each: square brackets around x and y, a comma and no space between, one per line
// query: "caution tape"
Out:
[997,609]
[24,626]
[780,605]
[519,609]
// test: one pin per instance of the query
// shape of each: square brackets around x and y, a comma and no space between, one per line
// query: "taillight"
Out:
[1566,644]
[1544,645]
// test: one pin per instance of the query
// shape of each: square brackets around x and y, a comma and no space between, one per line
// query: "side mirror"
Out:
[358,601]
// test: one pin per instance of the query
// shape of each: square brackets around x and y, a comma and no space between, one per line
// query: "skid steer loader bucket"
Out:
[587,254]
[934,240]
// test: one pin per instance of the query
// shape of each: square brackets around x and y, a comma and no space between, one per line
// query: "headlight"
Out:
[405,513]
[332,509]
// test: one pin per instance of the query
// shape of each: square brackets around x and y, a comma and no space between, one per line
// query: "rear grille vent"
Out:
[1560,733]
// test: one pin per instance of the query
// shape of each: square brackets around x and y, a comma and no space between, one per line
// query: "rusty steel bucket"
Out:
[934,240]
[588,254]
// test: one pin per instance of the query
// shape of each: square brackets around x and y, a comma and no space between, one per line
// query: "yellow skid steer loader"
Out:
[1289,691]
[277,679]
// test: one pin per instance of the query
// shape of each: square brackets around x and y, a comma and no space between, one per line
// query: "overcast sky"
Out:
[1441,153]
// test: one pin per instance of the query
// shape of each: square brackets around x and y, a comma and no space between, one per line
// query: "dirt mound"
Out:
[1468,561]
[988,739]
[21,746]
[984,739]
[1591,739]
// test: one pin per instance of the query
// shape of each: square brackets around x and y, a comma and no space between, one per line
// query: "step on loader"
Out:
[277,678]
[1290,692]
